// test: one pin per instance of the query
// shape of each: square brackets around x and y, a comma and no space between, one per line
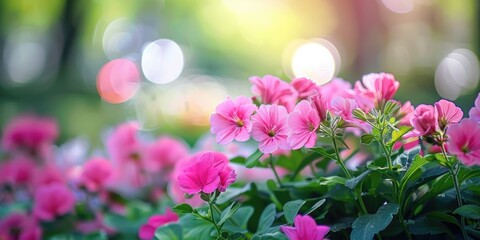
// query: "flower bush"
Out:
[294,161]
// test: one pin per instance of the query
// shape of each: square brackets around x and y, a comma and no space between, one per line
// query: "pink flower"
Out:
[123,144]
[379,87]
[19,226]
[321,105]
[305,229]
[52,200]
[162,154]
[336,88]
[30,134]
[206,173]
[231,120]
[304,86]
[270,128]
[424,119]
[405,113]
[20,170]
[474,112]
[95,174]
[174,189]
[447,113]
[49,174]
[303,123]
[274,91]
[95,225]
[464,141]
[147,231]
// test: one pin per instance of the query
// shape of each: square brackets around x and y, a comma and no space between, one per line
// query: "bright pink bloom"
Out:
[405,113]
[303,123]
[379,87]
[95,174]
[304,86]
[424,119]
[270,128]
[147,231]
[52,200]
[321,104]
[343,108]
[206,173]
[474,112]
[231,120]
[272,90]
[30,134]
[19,226]
[447,113]
[464,141]
[162,154]
[176,191]
[305,229]
[123,144]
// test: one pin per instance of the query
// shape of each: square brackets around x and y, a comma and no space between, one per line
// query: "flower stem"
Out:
[272,166]
[454,169]
[210,204]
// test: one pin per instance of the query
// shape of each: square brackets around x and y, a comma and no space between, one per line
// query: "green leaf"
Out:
[196,228]
[233,192]
[169,232]
[270,236]
[238,222]
[183,208]
[426,226]
[406,158]
[322,151]
[228,212]
[358,113]
[443,217]
[390,107]
[267,217]
[306,160]
[290,209]
[367,138]
[332,180]
[417,164]
[398,134]
[252,160]
[366,226]
[469,211]
[352,183]
[315,206]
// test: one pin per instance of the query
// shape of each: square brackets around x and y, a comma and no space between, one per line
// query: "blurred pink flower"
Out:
[19,226]
[378,87]
[405,113]
[305,229]
[48,174]
[336,88]
[206,173]
[29,134]
[424,119]
[464,141]
[123,144]
[272,90]
[52,200]
[447,113]
[303,123]
[147,231]
[21,170]
[95,225]
[96,174]
[304,86]
[231,120]
[162,154]
[270,128]
[474,112]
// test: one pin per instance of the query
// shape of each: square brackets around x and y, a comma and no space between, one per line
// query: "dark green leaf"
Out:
[228,212]
[267,217]
[406,158]
[233,192]
[305,162]
[315,206]
[426,226]
[183,208]
[169,232]
[252,160]
[443,217]
[238,222]
[367,138]
[270,236]
[366,226]
[352,183]
[290,209]
[469,211]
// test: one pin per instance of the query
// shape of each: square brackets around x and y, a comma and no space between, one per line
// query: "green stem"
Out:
[454,169]
[213,219]
[272,166]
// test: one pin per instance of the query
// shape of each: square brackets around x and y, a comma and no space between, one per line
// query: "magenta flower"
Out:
[20,226]
[424,119]
[147,230]
[304,86]
[474,112]
[206,173]
[464,141]
[20,170]
[447,113]
[231,120]
[336,88]
[272,90]
[162,154]
[52,200]
[305,229]
[321,105]
[30,134]
[379,87]
[123,144]
[174,188]
[96,174]
[303,123]
[270,128]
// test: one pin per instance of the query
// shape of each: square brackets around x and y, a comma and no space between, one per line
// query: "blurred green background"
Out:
[168,63]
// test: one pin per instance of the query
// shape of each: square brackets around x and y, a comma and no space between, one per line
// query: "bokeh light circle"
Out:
[162,61]
[118,80]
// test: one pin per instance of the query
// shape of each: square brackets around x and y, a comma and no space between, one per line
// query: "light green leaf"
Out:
[267,217]
[228,212]
[252,160]
[169,232]
[366,226]
[290,209]
[367,138]
[398,134]
[183,208]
